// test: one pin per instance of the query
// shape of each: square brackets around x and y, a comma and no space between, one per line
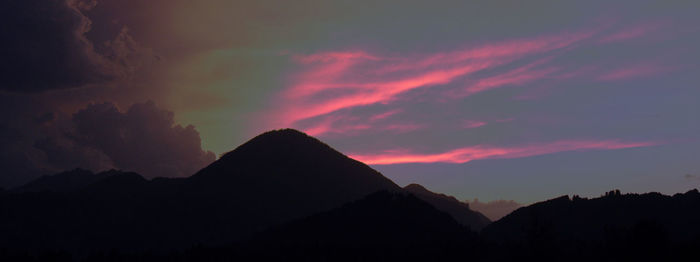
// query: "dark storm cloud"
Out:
[62,154]
[144,139]
[44,47]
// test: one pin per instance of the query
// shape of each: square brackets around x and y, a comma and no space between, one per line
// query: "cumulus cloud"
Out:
[494,210]
[45,47]
[144,139]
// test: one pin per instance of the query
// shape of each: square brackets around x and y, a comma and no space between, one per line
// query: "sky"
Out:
[516,100]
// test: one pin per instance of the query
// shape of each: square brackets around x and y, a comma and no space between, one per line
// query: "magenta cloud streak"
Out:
[326,89]
[466,154]
[332,81]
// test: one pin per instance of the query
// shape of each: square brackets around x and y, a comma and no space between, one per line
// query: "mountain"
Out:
[273,178]
[290,171]
[381,226]
[458,210]
[619,226]
[62,182]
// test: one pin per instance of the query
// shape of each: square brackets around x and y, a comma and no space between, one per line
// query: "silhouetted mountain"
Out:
[62,182]
[616,226]
[458,210]
[274,178]
[381,226]
[292,161]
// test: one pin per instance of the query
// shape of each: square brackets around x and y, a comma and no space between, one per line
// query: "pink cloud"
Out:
[326,127]
[332,124]
[351,125]
[518,76]
[466,154]
[319,128]
[333,81]
[384,115]
[376,92]
[346,125]
[330,83]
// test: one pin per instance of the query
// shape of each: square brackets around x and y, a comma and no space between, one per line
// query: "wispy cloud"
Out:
[631,32]
[466,154]
[518,76]
[338,92]
[332,124]
[333,81]
[384,115]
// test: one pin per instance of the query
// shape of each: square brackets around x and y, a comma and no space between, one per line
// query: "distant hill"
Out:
[62,182]
[381,226]
[458,210]
[619,226]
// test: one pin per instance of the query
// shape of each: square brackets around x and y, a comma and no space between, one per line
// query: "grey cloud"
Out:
[45,47]
[144,139]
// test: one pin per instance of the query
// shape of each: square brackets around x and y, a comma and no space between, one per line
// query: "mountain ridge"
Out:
[273,178]
[460,211]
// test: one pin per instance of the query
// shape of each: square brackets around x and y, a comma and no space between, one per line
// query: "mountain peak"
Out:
[290,171]
[61,182]
[288,134]
[274,143]
[415,188]
[291,158]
